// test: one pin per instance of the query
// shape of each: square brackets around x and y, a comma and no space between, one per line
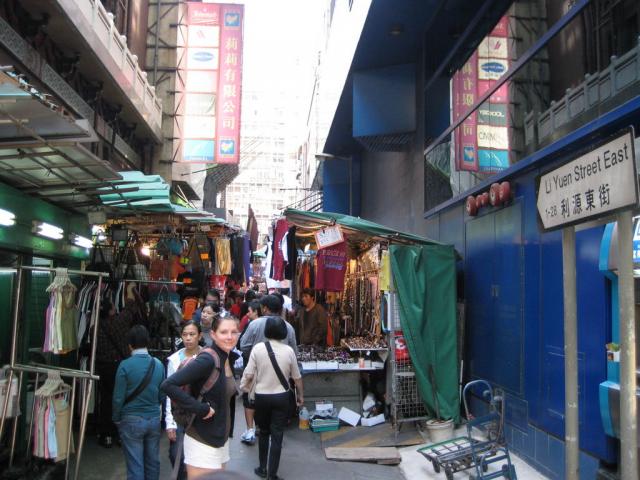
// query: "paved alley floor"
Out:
[302,458]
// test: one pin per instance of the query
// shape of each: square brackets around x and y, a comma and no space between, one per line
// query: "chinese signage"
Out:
[213,80]
[482,140]
[597,183]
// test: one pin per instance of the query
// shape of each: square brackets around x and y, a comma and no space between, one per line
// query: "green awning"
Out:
[307,219]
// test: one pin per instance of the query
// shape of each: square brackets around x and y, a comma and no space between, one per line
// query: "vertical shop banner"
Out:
[230,81]
[482,140]
[493,115]
[468,92]
[212,79]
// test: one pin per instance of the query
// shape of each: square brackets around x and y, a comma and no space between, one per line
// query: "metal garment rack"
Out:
[86,377]
[406,403]
[153,282]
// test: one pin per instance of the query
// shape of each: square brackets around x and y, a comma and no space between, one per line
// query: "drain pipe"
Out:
[155,48]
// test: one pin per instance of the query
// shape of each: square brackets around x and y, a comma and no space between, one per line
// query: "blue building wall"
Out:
[335,185]
[514,323]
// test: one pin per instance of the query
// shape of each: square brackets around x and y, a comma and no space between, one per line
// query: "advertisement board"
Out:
[210,109]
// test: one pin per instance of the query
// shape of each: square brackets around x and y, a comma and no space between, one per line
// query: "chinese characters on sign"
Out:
[211,120]
[482,140]
[601,181]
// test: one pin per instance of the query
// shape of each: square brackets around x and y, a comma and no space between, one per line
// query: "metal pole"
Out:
[71,408]
[350,159]
[571,428]
[17,310]
[628,413]
[33,414]
[15,424]
[88,386]
[95,314]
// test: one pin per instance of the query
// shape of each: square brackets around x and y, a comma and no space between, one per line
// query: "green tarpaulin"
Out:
[425,278]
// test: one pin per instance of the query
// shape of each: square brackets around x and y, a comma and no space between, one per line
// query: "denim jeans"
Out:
[173,447]
[141,443]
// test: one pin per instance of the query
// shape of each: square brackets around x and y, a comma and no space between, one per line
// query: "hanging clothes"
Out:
[51,420]
[246,258]
[61,316]
[223,256]
[331,266]
[292,254]
[278,257]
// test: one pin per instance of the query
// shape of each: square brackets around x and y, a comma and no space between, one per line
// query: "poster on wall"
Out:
[210,124]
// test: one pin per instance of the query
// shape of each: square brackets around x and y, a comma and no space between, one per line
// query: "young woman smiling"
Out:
[206,441]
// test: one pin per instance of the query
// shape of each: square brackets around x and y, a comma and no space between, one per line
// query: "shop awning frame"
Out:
[354,225]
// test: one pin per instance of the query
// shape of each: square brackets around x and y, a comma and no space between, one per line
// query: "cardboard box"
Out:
[371,421]
[349,416]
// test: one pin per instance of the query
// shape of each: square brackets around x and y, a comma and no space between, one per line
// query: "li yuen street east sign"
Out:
[595,184]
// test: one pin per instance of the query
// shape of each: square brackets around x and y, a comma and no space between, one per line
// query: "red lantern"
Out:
[494,194]
[484,199]
[505,192]
[471,207]
[478,202]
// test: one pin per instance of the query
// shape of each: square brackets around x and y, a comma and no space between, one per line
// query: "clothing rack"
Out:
[87,377]
[154,282]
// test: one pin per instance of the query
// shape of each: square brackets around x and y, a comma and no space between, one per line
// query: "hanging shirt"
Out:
[331,267]
[278,257]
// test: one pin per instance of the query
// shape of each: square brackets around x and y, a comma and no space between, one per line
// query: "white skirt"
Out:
[200,455]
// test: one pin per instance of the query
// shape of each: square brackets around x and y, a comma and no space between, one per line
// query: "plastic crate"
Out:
[324,425]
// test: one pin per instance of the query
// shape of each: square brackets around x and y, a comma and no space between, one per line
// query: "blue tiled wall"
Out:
[546,453]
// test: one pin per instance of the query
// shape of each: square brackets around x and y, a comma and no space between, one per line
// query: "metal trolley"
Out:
[463,453]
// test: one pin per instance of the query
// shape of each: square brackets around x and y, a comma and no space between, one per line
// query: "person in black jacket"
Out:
[206,442]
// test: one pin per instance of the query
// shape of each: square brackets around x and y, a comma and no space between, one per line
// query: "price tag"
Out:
[329,236]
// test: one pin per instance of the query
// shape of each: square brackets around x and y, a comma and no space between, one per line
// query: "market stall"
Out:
[388,302]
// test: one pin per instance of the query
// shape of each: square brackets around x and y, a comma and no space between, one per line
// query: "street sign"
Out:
[599,182]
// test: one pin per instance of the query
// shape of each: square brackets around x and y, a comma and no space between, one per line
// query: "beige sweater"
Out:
[266,379]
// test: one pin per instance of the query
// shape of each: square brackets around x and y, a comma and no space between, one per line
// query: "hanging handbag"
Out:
[285,384]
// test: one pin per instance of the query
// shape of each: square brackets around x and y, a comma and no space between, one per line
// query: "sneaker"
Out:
[249,437]
[261,472]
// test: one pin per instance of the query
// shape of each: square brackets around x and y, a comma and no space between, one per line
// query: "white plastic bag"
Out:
[13,408]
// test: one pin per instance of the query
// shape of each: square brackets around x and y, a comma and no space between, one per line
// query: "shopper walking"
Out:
[270,366]
[248,398]
[191,335]
[136,407]
[206,439]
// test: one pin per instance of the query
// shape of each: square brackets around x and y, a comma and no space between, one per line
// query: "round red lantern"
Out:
[505,192]
[471,207]
[484,199]
[494,194]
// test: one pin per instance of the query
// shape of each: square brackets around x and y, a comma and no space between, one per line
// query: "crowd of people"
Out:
[197,393]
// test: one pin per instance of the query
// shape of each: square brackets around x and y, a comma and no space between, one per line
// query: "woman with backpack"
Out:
[191,335]
[203,388]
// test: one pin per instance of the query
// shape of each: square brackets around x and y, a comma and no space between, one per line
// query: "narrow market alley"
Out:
[302,458]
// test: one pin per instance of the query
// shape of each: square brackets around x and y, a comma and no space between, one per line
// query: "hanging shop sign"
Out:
[481,142]
[597,183]
[210,124]
[329,236]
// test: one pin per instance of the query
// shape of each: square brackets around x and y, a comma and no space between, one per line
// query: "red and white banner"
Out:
[213,83]
[482,140]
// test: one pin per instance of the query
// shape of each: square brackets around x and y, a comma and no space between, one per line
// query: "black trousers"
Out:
[271,419]
[107,372]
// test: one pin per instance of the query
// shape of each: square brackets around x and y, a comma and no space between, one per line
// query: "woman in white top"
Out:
[271,396]
[191,335]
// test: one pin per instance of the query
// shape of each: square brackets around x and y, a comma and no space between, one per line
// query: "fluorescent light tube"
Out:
[7,218]
[47,230]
